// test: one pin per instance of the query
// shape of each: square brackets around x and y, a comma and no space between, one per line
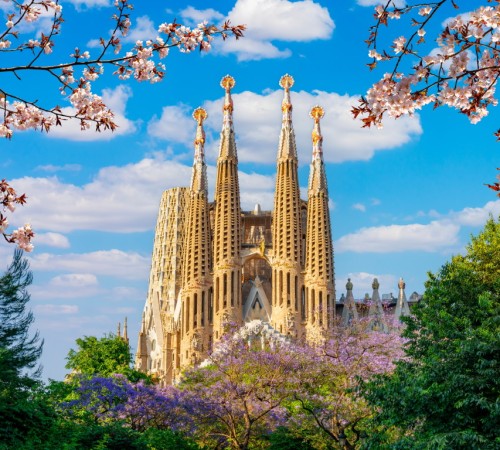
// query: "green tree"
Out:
[106,356]
[20,350]
[446,395]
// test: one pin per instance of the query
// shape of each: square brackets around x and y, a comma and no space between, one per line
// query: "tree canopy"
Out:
[447,393]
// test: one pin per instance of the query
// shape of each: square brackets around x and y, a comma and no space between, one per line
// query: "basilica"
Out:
[214,264]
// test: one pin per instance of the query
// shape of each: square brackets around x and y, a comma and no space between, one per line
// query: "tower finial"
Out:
[286,82]
[199,115]
[317,113]
[227,83]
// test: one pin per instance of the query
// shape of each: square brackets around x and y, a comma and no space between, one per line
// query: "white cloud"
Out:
[116,100]
[477,216]
[51,310]
[359,207]
[74,280]
[120,199]
[298,21]
[51,240]
[435,236]
[66,286]
[175,125]
[268,21]
[114,263]
[195,16]
[257,123]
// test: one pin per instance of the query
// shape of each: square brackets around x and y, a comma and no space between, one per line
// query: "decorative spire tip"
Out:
[317,113]
[286,82]
[227,83]
[199,114]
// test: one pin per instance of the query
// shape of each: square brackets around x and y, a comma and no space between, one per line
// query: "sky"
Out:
[403,199]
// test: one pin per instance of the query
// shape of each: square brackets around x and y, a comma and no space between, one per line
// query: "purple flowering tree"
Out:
[327,402]
[237,395]
[137,405]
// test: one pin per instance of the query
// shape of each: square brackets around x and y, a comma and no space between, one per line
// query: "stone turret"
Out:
[196,315]
[319,278]
[376,312]
[227,224]
[402,308]
[287,305]
[349,312]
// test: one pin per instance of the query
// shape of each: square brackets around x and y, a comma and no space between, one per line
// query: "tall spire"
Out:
[197,265]
[402,308]
[319,279]
[227,223]
[287,263]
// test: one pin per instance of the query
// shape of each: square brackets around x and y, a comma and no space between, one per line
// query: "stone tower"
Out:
[319,272]
[196,326]
[156,350]
[287,226]
[227,224]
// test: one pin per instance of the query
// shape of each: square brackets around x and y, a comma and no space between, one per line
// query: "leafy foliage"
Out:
[104,356]
[447,394]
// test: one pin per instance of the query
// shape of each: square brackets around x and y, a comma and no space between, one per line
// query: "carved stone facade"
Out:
[214,264]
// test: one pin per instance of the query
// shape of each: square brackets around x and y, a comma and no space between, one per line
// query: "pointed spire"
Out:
[317,113]
[227,83]
[317,176]
[200,115]
[118,331]
[227,141]
[199,176]
[402,308]
[125,330]
[376,311]
[287,148]
[349,313]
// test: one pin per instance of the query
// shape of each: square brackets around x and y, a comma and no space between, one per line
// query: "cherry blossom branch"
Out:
[142,61]
[462,73]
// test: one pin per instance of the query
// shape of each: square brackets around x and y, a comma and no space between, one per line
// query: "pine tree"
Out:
[20,350]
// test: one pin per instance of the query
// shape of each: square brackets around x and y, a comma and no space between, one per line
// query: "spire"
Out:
[317,176]
[349,313]
[287,147]
[199,176]
[125,330]
[376,311]
[402,308]
[227,143]
[227,222]
[317,113]
[118,331]
[287,225]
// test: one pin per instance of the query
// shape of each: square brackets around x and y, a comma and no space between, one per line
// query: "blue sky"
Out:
[404,199]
